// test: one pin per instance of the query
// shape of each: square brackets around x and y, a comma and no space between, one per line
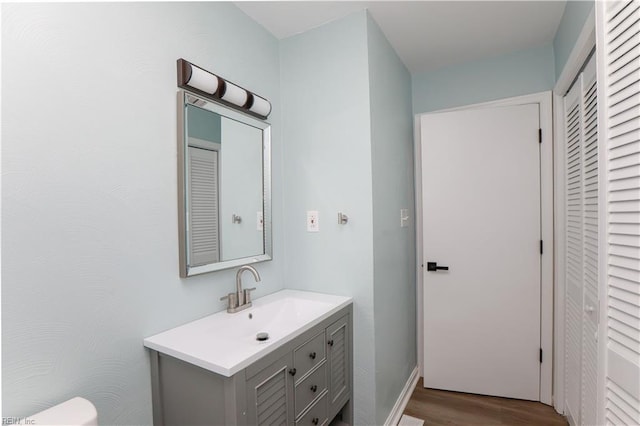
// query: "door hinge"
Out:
[541,247]
[539,135]
[540,355]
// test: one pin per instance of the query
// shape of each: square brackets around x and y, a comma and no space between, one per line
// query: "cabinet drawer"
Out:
[309,355]
[317,415]
[310,388]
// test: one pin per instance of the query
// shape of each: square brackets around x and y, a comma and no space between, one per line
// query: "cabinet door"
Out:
[270,394]
[339,364]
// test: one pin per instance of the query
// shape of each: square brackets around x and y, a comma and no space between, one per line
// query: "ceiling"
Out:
[426,34]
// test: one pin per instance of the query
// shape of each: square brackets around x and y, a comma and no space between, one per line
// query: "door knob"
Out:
[433,266]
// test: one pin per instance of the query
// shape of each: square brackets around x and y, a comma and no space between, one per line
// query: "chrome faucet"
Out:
[241,299]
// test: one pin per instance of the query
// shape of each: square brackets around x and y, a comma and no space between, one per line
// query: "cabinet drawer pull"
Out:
[330,342]
[292,371]
[312,355]
[315,420]
[314,388]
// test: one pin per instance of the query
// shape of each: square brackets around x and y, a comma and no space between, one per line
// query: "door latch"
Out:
[433,266]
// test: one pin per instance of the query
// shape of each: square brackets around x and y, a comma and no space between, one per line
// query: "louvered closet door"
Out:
[619,38]
[582,248]
[589,376]
[574,242]
[204,241]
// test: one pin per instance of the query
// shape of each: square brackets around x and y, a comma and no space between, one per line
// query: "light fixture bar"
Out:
[199,80]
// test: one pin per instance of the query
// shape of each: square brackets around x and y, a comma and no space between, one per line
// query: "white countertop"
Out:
[226,343]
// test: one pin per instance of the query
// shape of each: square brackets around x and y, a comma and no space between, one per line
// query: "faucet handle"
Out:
[233,300]
[247,294]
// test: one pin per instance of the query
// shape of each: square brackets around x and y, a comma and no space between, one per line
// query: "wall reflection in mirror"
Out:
[224,182]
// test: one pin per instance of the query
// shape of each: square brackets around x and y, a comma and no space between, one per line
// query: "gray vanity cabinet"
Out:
[306,381]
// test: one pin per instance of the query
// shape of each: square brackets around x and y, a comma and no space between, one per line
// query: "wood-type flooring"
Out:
[439,408]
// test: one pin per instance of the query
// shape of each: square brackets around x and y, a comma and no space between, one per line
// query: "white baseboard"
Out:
[570,419]
[403,399]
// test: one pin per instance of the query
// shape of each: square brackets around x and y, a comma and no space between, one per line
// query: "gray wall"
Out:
[327,167]
[520,73]
[393,246]
[573,19]
[89,188]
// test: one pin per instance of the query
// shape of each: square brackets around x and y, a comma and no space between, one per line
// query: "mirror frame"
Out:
[189,98]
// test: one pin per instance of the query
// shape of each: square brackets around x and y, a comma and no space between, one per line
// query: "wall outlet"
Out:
[404,218]
[260,222]
[312,221]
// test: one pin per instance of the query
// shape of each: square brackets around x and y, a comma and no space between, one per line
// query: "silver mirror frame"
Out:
[188,98]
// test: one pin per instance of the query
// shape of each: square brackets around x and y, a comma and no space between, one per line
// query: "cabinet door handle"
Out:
[314,388]
[330,342]
[315,420]
[312,355]
[292,371]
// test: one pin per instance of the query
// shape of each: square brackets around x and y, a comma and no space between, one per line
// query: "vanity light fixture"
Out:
[234,94]
[205,83]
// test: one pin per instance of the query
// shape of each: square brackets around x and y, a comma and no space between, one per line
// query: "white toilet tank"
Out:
[74,412]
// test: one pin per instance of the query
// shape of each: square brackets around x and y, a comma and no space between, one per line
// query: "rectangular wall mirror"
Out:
[224,186]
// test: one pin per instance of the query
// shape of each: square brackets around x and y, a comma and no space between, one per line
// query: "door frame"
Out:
[544,100]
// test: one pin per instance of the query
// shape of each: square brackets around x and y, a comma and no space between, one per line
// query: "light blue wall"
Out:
[203,124]
[393,246]
[327,167]
[515,74]
[573,19]
[89,192]
[520,73]
[241,189]
[89,187]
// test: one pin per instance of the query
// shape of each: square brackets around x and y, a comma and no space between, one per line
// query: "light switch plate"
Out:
[312,221]
[260,222]
[404,218]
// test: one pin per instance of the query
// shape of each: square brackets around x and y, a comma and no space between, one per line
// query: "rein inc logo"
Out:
[18,421]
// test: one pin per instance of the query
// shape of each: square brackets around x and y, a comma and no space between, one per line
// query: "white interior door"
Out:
[481,218]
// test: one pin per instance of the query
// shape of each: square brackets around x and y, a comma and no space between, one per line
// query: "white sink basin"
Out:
[226,343]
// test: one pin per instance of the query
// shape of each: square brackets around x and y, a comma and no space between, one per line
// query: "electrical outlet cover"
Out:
[313,225]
